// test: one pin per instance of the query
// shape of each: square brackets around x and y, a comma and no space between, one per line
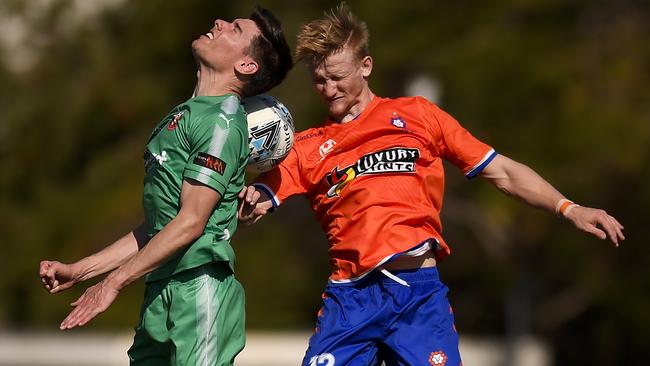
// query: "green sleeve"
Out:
[215,152]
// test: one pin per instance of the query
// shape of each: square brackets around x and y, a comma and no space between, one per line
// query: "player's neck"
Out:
[365,98]
[210,83]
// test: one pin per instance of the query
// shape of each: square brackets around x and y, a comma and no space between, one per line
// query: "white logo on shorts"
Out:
[324,359]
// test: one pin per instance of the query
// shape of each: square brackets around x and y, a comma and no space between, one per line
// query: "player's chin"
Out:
[337,110]
[198,45]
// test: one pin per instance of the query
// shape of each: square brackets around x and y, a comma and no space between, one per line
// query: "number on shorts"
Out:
[324,359]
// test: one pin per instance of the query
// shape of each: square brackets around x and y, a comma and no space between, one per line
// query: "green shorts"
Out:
[196,317]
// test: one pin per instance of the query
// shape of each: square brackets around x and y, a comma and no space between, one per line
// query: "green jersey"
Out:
[204,139]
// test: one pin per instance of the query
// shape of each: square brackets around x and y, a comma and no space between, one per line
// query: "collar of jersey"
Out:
[213,97]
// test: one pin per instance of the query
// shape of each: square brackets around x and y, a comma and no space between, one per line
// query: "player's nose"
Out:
[220,24]
[329,89]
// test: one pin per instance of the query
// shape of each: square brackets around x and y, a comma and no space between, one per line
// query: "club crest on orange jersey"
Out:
[174,122]
[397,121]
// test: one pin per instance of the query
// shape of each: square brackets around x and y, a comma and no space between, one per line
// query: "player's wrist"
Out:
[79,271]
[267,199]
[116,280]
[564,206]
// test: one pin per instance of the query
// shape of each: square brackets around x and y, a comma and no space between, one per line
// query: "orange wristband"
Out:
[562,206]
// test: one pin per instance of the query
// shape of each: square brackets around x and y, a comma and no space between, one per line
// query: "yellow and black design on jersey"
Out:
[393,160]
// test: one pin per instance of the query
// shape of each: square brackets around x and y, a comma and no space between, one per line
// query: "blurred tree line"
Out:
[559,85]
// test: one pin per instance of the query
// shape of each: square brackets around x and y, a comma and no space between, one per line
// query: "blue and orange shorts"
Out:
[377,319]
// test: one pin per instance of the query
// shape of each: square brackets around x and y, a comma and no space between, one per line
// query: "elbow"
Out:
[196,230]
[193,227]
[504,186]
[506,191]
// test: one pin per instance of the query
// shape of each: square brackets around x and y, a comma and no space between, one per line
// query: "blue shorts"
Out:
[377,319]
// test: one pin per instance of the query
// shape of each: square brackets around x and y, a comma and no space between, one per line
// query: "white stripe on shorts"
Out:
[206,319]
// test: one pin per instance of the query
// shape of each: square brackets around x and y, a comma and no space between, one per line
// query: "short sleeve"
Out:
[284,180]
[215,155]
[453,142]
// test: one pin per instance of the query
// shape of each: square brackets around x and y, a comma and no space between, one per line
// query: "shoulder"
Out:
[404,101]
[226,114]
[313,133]
[413,106]
[309,141]
[309,134]
[228,109]
[217,121]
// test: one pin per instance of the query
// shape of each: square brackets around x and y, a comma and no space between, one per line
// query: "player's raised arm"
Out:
[520,181]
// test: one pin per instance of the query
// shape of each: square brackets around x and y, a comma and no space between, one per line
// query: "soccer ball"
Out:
[270,132]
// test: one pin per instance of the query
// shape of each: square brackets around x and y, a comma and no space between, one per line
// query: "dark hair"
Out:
[270,50]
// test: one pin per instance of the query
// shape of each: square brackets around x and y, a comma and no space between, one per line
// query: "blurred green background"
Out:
[560,85]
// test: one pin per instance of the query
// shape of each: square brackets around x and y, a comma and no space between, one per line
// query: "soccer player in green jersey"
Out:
[193,312]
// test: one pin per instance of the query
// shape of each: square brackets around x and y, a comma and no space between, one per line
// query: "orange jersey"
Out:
[376,183]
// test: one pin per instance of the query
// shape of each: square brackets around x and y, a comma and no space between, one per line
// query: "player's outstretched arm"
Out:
[57,276]
[520,181]
[253,205]
[197,203]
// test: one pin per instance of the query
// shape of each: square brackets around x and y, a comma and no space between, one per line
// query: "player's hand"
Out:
[596,222]
[57,276]
[250,207]
[94,301]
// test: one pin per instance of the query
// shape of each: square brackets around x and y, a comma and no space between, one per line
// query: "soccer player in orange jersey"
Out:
[373,173]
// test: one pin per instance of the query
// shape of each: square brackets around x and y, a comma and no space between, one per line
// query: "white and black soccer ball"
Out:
[270,132]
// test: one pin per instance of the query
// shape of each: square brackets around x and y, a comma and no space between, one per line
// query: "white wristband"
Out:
[563,207]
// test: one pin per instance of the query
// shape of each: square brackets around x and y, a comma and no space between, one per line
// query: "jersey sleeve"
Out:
[453,142]
[283,181]
[215,152]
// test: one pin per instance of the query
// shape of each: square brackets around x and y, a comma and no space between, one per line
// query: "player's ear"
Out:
[247,66]
[366,66]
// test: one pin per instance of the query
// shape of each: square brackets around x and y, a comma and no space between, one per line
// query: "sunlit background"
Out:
[562,85]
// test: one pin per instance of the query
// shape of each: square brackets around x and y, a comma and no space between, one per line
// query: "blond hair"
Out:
[339,28]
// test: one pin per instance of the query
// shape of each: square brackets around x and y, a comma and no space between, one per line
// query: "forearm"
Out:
[520,181]
[176,235]
[112,256]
